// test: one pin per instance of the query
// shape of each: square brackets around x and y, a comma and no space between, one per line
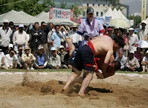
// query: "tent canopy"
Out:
[18,17]
[62,21]
[43,16]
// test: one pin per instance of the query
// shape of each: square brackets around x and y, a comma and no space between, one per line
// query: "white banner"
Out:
[143,10]
[58,13]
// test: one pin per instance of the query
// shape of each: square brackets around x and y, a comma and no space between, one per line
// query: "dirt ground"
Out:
[43,90]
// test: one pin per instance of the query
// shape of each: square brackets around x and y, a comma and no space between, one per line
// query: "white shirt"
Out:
[143,34]
[75,37]
[20,38]
[132,39]
[145,59]
[5,36]
[8,60]
[122,61]
[1,56]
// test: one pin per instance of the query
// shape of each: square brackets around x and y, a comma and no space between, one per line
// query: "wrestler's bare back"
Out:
[102,45]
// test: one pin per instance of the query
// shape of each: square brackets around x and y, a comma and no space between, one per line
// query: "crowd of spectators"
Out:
[43,46]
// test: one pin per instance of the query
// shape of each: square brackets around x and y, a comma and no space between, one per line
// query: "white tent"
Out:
[110,13]
[115,13]
[62,21]
[18,17]
[43,16]
[121,15]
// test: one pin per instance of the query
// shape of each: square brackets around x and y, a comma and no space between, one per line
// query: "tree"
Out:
[77,10]
[137,20]
[32,7]
[63,5]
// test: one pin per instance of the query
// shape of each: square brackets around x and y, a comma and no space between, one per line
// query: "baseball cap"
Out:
[27,47]
[131,29]
[61,46]
[40,47]
[131,52]
[10,45]
[53,49]
[90,10]
[74,25]
[21,26]
[6,21]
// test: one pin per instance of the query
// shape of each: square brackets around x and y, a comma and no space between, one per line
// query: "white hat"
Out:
[74,25]
[21,25]
[147,52]
[6,21]
[27,47]
[53,49]
[61,46]
[131,29]
[10,45]
[143,22]
[132,52]
[40,47]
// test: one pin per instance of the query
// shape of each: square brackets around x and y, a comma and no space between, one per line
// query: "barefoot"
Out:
[82,95]
[64,89]
[67,91]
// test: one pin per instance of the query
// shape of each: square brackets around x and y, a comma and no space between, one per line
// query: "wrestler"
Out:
[113,65]
[84,58]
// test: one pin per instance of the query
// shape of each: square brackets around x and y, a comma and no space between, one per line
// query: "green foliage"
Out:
[63,5]
[137,19]
[77,10]
[32,7]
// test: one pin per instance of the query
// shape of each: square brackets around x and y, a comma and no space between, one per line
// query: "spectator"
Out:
[41,60]
[54,60]
[49,37]
[63,31]
[90,27]
[139,56]
[56,38]
[126,46]
[122,59]
[76,38]
[116,32]
[20,37]
[36,35]
[10,46]
[132,38]
[5,33]
[145,63]
[143,32]
[19,56]
[62,54]
[2,60]
[132,63]
[10,59]
[28,59]
[110,31]
[44,40]
[12,26]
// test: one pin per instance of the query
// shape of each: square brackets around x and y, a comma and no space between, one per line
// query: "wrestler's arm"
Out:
[107,60]
[108,73]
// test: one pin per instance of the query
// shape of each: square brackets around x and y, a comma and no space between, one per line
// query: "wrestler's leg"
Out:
[85,84]
[70,46]
[71,80]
